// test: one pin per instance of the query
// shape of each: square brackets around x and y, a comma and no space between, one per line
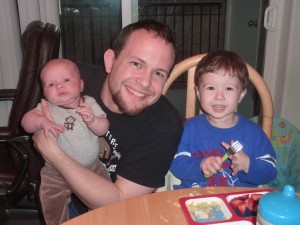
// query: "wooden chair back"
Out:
[189,65]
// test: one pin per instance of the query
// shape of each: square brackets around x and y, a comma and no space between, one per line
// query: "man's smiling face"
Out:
[137,76]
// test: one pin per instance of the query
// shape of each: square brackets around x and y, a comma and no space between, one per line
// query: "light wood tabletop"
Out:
[153,209]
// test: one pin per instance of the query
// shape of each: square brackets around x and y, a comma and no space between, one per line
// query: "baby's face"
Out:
[62,85]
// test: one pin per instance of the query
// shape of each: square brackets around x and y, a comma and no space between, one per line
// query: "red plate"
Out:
[222,208]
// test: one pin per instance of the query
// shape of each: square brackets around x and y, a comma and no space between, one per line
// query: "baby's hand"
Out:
[50,126]
[86,113]
[211,165]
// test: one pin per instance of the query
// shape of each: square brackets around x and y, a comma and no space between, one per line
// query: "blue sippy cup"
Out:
[279,208]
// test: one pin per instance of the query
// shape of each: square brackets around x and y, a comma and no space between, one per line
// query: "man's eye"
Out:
[210,88]
[66,80]
[159,74]
[50,85]
[229,89]
[136,64]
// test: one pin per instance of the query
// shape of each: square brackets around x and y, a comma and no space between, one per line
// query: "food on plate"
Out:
[245,205]
[206,211]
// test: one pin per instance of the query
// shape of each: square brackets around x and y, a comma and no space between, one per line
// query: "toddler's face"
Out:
[220,95]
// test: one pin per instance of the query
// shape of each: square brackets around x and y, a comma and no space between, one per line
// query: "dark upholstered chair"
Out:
[20,163]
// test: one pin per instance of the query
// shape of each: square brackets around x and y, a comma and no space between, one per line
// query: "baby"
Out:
[77,123]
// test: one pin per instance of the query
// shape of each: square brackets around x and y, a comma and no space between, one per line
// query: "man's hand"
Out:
[41,143]
[50,126]
[46,110]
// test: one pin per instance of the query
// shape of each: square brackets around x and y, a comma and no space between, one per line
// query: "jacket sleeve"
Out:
[184,165]
[262,168]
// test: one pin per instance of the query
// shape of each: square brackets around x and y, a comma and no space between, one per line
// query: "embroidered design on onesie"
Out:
[70,123]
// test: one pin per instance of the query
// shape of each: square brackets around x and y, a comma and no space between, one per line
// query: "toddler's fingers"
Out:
[225,145]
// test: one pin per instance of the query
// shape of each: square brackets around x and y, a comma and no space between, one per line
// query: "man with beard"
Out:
[145,128]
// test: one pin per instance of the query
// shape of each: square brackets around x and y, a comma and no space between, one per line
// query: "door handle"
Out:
[270,17]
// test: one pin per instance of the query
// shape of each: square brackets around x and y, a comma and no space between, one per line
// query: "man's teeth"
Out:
[136,93]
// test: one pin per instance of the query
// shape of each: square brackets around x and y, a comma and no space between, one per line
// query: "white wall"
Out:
[291,94]
[10,52]
[282,61]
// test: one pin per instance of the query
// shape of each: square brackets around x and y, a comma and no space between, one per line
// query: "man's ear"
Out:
[109,57]
[242,95]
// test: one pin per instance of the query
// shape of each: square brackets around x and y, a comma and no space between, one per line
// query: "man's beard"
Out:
[118,100]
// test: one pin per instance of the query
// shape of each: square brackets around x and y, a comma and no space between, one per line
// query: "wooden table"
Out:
[153,209]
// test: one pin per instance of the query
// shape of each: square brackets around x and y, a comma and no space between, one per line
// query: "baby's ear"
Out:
[81,85]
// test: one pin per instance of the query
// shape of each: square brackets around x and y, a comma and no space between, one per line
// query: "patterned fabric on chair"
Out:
[286,142]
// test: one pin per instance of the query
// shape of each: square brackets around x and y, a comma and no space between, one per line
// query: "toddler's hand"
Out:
[211,165]
[240,162]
